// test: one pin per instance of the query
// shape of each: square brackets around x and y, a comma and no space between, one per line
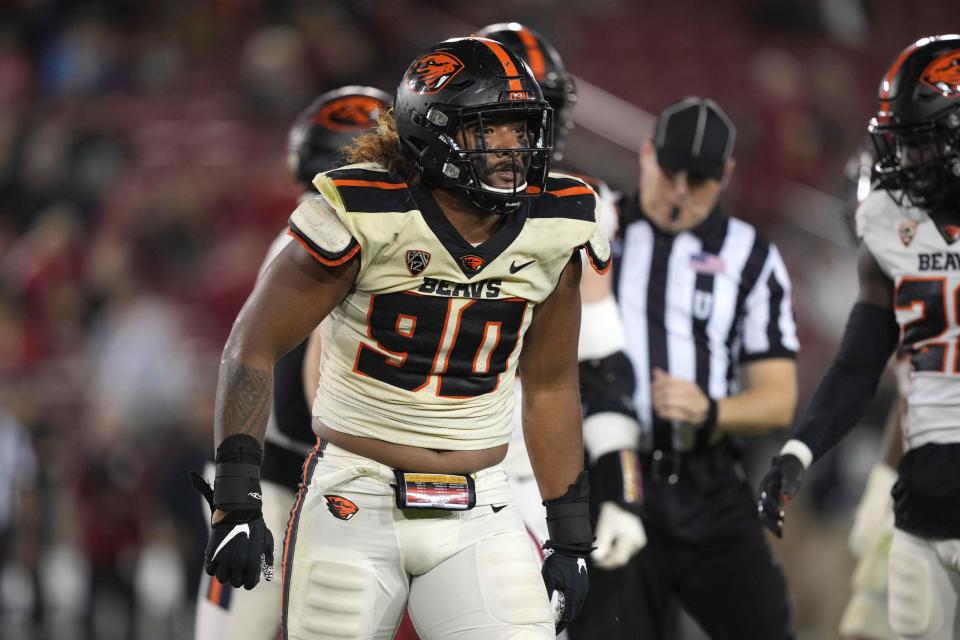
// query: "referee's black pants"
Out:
[706,551]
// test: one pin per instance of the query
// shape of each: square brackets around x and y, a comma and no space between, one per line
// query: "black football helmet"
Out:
[329,123]
[547,66]
[916,130]
[447,94]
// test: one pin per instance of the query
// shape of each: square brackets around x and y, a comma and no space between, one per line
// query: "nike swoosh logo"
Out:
[237,530]
[514,267]
[497,507]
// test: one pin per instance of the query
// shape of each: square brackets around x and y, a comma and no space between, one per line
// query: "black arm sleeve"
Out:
[842,396]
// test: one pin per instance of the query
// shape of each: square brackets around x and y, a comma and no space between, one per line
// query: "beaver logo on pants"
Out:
[341,507]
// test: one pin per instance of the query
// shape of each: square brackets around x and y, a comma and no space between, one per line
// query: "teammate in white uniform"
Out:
[611,432]
[438,268]
[909,296]
[330,122]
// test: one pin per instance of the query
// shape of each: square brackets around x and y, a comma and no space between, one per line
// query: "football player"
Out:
[610,428]
[438,267]
[865,617]
[909,282]
[329,123]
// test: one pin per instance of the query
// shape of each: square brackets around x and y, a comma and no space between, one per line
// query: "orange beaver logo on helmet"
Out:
[943,74]
[349,113]
[341,507]
[430,73]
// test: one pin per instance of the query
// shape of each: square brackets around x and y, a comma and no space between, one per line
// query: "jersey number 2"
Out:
[927,336]
[417,338]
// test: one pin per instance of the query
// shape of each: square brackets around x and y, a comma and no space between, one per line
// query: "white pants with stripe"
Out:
[353,561]
[924,590]
[225,613]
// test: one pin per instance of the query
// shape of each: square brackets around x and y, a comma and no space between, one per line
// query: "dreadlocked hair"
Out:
[382,145]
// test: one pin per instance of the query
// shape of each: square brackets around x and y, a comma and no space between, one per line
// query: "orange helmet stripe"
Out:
[534,53]
[505,60]
[892,71]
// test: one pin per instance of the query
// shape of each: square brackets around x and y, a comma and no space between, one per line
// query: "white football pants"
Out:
[924,590]
[353,561]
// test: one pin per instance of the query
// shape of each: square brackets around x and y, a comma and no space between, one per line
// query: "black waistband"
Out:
[669,466]
[282,466]
[928,490]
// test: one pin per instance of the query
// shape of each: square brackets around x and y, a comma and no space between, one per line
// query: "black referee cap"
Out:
[695,135]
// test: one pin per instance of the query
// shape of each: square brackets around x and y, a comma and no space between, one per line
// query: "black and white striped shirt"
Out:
[697,305]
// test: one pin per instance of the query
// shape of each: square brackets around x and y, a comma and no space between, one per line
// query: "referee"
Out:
[710,332]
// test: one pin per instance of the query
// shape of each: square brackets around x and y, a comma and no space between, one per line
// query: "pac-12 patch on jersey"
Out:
[424,349]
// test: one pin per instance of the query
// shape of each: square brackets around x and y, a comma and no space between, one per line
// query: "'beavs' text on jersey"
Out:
[925,271]
[423,350]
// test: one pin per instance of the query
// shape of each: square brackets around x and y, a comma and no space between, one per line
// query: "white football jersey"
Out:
[423,350]
[925,270]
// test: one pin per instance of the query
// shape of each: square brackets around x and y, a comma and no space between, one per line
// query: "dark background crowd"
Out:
[143,175]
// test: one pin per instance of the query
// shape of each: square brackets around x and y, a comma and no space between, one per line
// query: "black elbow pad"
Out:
[607,385]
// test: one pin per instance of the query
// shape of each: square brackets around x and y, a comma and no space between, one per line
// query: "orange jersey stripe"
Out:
[216,590]
[370,183]
[508,66]
[600,270]
[571,191]
[319,258]
[537,64]
[294,515]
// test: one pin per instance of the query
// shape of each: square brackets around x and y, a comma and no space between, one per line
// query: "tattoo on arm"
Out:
[243,401]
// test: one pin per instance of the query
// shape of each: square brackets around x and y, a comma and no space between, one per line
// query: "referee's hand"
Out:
[678,399]
[777,489]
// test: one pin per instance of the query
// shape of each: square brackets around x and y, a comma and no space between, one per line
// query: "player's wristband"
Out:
[568,518]
[237,483]
[800,450]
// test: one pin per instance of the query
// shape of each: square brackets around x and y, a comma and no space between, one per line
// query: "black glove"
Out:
[565,574]
[565,565]
[777,489]
[240,545]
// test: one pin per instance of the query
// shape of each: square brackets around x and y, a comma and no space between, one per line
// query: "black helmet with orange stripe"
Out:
[448,100]
[329,123]
[547,67]
[916,130]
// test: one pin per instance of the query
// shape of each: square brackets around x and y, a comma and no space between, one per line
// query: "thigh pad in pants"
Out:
[914,600]
[342,569]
